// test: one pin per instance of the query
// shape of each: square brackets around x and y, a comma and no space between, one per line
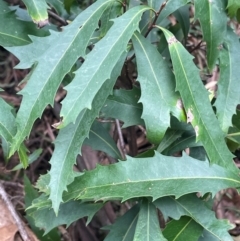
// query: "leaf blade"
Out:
[213,22]
[99,64]
[127,177]
[157,84]
[38,94]
[148,225]
[228,84]
[61,174]
[193,207]
[37,9]
[197,105]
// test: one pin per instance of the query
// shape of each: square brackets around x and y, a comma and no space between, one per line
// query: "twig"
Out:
[152,25]
[64,233]
[18,221]
[196,47]
[122,145]
[58,18]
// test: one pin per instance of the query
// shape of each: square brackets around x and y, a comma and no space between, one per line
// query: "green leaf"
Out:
[4,7]
[155,4]
[8,130]
[233,6]
[213,22]
[42,183]
[170,7]
[30,195]
[68,213]
[184,229]
[123,105]
[14,32]
[182,16]
[68,4]
[100,139]
[110,13]
[124,227]
[195,208]
[228,84]
[37,9]
[196,102]
[7,121]
[187,140]
[58,6]
[148,225]
[207,236]
[169,137]
[157,84]
[65,48]
[99,64]
[33,157]
[137,177]
[70,139]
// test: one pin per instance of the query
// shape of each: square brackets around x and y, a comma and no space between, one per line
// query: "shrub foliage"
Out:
[168,98]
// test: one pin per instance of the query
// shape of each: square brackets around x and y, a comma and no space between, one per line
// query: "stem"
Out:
[234,134]
[120,136]
[58,18]
[152,25]
[11,209]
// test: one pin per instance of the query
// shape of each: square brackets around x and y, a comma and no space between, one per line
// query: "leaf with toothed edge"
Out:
[64,50]
[8,130]
[197,105]
[190,205]
[158,96]
[155,177]
[99,139]
[37,9]
[123,228]
[68,213]
[213,20]
[70,139]
[99,64]
[148,227]
[228,84]
[183,229]
[13,31]
[123,105]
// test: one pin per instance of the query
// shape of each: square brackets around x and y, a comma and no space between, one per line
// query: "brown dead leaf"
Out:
[8,228]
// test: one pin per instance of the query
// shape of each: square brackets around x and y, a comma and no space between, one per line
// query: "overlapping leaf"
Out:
[228,86]
[14,32]
[68,213]
[99,64]
[8,130]
[207,236]
[233,6]
[155,177]
[157,84]
[213,22]
[53,65]
[148,225]
[123,105]
[198,108]
[99,139]
[193,207]
[170,7]
[70,139]
[184,229]
[30,195]
[182,15]
[37,9]
[124,227]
